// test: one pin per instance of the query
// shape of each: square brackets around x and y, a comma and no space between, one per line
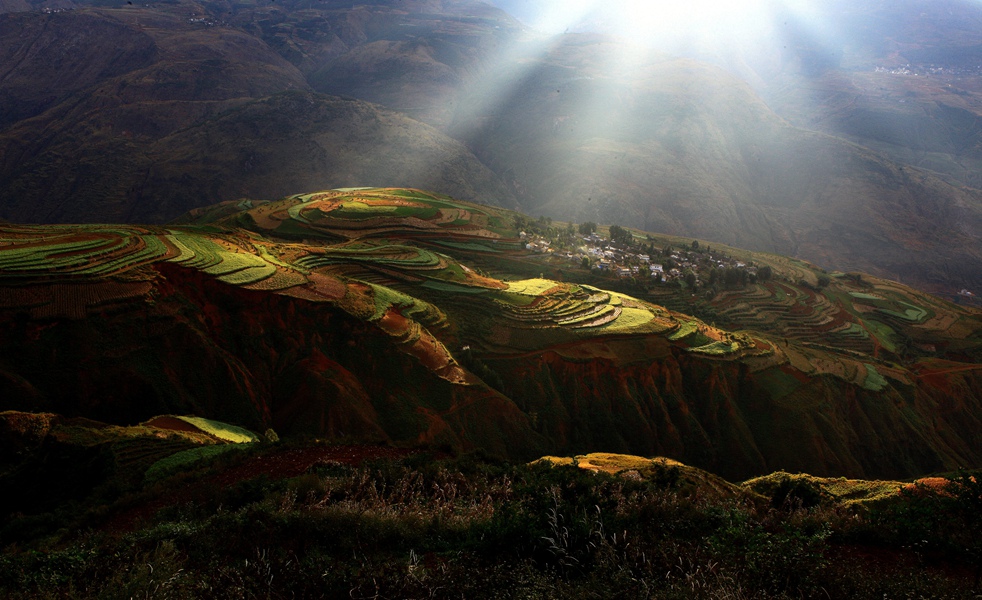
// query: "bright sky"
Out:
[707,29]
[637,16]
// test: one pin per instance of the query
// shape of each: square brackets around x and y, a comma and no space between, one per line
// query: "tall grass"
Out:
[477,529]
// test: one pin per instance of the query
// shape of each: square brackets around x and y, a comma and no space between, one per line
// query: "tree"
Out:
[695,244]
[619,234]
[690,279]
[765,273]
[588,228]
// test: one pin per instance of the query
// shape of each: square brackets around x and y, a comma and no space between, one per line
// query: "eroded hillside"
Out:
[401,315]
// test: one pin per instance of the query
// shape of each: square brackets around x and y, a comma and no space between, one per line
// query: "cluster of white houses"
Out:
[605,255]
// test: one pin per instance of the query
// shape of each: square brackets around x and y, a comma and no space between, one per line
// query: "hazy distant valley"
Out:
[186,109]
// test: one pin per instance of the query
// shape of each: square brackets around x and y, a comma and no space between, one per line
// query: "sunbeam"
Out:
[726,32]
[640,19]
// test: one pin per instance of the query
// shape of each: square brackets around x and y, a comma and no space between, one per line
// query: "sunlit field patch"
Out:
[873,380]
[531,287]
[224,431]
[719,348]
[631,318]
[686,328]
[606,462]
[356,206]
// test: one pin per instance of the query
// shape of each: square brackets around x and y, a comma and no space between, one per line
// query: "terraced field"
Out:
[866,315]
[416,242]
[378,213]
[128,451]
[419,243]
[92,251]
[451,286]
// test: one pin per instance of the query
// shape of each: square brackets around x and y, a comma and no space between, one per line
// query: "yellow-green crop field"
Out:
[223,431]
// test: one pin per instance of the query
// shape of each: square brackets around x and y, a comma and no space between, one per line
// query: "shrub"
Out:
[422,528]
[796,493]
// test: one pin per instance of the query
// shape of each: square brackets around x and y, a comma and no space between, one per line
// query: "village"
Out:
[625,256]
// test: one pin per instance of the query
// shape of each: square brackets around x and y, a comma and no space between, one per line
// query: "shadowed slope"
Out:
[182,112]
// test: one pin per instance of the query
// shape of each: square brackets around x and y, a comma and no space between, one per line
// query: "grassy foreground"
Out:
[597,526]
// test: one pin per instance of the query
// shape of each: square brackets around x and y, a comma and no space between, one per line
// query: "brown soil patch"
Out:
[329,287]
[430,352]
[173,423]
[937,485]
[393,322]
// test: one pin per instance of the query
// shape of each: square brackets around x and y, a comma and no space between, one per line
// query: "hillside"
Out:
[906,84]
[405,316]
[677,146]
[196,103]
[900,78]
[324,520]
[181,112]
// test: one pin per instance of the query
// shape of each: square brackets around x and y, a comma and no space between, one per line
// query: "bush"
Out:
[791,494]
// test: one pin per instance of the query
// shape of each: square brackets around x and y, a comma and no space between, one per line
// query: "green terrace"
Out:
[373,212]
[80,250]
[405,257]
[834,316]
[851,313]
[227,262]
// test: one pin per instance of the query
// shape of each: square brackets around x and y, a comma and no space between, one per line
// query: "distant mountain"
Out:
[905,83]
[181,112]
[677,146]
[260,147]
[577,127]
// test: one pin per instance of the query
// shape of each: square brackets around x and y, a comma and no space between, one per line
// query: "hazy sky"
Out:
[661,23]
[545,15]
[640,16]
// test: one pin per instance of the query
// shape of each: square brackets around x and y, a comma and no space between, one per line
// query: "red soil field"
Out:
[173,423]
